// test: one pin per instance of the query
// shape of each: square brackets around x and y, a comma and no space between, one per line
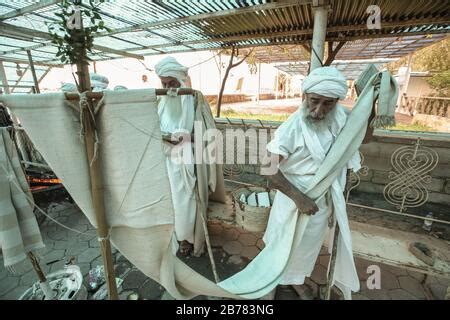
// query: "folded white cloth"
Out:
[19,231]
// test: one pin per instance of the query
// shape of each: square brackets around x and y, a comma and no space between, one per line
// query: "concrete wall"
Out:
[377,156]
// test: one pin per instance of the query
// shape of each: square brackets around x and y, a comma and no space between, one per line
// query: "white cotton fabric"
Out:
[137,193]
[326,81]
[19,231]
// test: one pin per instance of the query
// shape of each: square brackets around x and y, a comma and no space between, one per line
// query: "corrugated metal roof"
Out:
[351,69]
[155,27]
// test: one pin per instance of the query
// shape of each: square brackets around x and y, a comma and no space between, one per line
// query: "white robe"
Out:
[304,148]
[177,115]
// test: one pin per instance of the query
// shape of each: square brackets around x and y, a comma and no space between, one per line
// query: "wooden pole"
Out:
[4,78]
[96,178]
[277,84]
[332,262]
[33,72]
[99,95]
[36,267]
[259,82]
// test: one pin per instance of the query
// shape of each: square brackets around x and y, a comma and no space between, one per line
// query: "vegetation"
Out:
[71,37]
[435,59]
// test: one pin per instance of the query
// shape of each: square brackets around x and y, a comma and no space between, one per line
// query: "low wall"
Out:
[435,106]
[377,156]
[232,98]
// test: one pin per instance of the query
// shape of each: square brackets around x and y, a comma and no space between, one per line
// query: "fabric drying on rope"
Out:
[19,231]
[136,187]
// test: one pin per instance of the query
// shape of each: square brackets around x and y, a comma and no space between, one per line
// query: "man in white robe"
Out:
[177,122]
[302,143]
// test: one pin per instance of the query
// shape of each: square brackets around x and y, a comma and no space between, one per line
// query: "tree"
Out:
[433,59]
[231,65]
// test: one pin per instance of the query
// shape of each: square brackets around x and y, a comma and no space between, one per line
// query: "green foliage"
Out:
[433,58]
[73,43]
[441,83]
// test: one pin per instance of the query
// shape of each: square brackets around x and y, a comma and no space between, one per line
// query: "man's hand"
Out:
[304,204]
[177,138]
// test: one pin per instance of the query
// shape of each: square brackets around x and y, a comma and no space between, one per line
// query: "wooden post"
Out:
[33,72]
[4,78]
[277,84]
[96,178]
[259,82]
[332,262]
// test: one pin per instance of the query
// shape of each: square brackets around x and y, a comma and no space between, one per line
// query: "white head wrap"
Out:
[120,88]
[326,81]
[69,87]
[170,67]
[98,82]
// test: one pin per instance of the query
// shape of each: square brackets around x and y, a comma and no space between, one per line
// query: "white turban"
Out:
[98,82]
[69,87]
[120,88]
[170,67]
[326,81]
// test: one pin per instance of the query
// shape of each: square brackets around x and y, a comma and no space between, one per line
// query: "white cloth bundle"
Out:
[19,231]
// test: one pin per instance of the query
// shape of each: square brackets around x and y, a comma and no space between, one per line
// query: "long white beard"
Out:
[322,124]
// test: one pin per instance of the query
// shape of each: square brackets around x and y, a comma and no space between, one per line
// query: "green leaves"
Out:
[73,43]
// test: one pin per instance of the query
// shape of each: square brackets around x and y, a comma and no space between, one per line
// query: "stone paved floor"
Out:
[233,248]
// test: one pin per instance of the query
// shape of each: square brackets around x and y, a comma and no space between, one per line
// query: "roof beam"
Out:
[352,38]
[28,9]
[211,15]
[346,28]
[37,63]
[10,29]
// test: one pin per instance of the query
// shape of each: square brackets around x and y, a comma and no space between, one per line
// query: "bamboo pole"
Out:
[332,263]
[95,173]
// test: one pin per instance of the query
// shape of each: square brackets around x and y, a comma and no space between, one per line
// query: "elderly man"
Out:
[302,143]
[177,116]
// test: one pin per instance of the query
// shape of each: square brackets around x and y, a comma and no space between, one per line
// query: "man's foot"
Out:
[185,248]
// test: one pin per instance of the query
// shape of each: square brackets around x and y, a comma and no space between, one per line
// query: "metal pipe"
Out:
[319,34]
[398,213]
